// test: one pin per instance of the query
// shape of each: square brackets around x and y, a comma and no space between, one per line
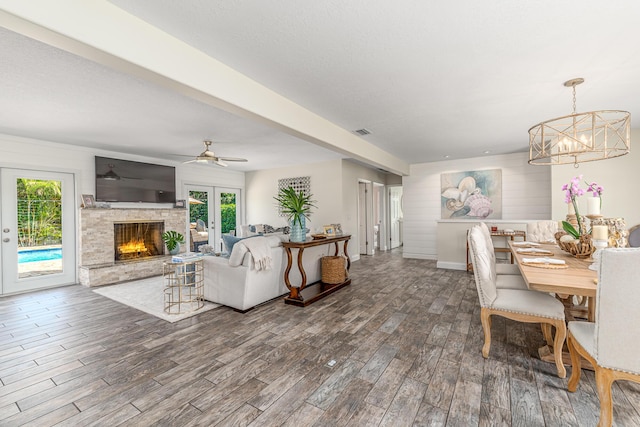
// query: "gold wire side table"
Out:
[183,286]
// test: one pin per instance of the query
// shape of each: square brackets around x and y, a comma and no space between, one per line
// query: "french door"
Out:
[213,211]
[38,229]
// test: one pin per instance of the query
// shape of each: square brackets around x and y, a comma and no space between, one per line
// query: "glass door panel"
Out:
[200,228]
[227,211]
[38,237]
[212,212]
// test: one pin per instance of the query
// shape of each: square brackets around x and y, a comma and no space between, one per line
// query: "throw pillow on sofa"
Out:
[229,241]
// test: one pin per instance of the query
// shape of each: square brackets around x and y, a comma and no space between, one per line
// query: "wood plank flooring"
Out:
[406,338]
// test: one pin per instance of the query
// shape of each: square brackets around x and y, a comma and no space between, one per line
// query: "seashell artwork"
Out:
[480,206]
[475,194]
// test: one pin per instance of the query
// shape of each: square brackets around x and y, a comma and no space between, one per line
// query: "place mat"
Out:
[542,265]
[538,252]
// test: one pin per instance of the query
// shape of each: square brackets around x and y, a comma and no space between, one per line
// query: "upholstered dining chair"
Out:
[542,231]
[503,271]
[612,343]
[516,304]
[634,236]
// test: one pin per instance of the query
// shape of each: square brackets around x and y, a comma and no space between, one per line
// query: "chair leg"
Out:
[485,318]
[576,363]
[604,381]
[546,333]
[558,342]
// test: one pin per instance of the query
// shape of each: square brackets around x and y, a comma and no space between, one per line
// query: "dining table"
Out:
[574,282]
[576,279]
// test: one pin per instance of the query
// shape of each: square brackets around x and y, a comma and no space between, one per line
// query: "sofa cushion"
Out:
[229,241]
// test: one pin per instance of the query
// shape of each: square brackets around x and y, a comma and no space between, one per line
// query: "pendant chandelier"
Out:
[580,137]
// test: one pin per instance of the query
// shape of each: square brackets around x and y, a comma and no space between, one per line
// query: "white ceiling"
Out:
[428,79]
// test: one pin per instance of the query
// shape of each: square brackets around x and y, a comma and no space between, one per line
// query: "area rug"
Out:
[147,295]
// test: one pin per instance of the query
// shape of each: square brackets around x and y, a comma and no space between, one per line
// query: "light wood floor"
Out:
[406,338]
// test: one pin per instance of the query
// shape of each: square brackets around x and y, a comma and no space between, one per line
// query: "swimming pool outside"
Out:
[39,254]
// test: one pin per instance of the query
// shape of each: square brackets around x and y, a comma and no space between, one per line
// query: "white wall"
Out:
[262,187]
[619,177]
[525,196]
[334,186]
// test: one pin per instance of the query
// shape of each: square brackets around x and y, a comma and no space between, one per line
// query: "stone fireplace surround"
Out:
[96,251]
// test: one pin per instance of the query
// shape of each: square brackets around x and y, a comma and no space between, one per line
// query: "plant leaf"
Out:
[570,229]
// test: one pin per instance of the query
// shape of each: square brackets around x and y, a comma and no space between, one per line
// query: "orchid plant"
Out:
[596,190]
[572,191]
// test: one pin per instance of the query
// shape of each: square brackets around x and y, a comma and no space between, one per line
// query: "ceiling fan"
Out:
[111,175]
[208,156]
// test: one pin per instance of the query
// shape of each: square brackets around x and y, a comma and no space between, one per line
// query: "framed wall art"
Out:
[471,194]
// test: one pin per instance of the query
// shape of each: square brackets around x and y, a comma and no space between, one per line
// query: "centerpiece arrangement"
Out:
[296,207]
[575,238]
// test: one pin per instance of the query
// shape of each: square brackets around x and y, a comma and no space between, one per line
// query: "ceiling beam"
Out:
[103,33]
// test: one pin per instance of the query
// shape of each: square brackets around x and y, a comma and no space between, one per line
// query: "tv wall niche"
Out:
[120,180]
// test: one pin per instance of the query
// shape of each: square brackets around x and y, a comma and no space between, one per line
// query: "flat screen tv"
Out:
[127,181]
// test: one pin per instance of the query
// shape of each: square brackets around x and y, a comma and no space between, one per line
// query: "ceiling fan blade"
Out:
[208,156]
[233,159]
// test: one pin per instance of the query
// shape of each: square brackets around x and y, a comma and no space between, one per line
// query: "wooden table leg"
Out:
[346,254]
[293,290]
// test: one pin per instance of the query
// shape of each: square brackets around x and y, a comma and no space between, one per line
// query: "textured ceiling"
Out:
[428,79]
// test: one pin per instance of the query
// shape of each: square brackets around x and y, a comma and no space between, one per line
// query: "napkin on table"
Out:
[525,244]
[543,261]
[544,251]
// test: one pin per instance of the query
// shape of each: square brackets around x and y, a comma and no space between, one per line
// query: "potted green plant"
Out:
[172,239]
[296,207]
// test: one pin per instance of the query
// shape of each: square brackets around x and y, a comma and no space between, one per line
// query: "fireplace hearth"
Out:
[137,240]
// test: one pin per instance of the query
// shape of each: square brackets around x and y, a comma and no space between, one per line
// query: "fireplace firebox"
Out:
[137,240]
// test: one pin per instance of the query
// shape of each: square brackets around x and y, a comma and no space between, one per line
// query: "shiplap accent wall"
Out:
[526,195]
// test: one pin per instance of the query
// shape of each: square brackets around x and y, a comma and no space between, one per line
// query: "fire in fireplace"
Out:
[136,240]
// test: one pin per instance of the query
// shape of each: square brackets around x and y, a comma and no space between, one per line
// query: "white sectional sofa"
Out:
[235,281]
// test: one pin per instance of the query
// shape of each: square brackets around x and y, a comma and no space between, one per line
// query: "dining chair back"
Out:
[501,269]
[612,343]
[542,231]
[521,305]
[634,236]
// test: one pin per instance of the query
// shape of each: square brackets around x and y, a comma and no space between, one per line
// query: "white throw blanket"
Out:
[260,251]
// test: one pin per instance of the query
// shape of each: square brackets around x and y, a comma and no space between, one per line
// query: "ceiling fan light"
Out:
[110,176]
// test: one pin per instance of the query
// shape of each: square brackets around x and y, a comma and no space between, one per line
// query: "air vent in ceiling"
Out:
[362,132]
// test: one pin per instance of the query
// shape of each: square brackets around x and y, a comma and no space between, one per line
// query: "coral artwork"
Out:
[471,195]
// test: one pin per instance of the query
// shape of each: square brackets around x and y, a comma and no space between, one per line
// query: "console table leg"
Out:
[303,281]
[346,254]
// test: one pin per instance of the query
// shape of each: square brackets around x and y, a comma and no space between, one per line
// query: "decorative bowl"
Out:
[583,248]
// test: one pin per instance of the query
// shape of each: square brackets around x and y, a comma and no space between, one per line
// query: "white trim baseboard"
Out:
[451,265]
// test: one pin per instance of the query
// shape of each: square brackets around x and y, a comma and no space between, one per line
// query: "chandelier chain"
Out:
[574,99]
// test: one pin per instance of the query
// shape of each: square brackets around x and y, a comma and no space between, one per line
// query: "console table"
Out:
[304,294]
